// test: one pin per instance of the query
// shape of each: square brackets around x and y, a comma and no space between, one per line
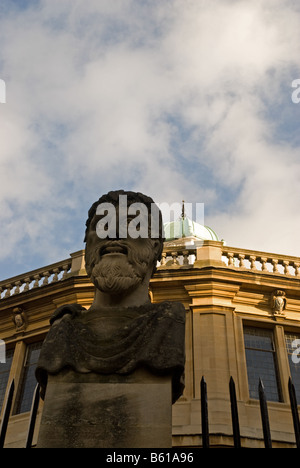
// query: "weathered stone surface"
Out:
[117,340]
[96,411]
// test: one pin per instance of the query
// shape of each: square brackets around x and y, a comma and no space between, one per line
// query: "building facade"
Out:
[242,321]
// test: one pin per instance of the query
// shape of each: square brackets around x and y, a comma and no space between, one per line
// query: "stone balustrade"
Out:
[35,279]
[215,253]
[177,258]
[211,253]
[262,262]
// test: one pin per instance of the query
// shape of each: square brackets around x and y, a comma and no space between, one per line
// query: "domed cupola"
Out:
[187,231]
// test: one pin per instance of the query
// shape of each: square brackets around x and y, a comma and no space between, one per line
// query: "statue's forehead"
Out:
[127,210]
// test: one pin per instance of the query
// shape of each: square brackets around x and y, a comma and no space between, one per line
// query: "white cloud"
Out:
[179,99]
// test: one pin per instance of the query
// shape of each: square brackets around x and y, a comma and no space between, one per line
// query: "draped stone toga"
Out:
[116,341]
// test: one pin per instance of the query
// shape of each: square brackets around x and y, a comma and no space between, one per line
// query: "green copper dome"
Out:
[185,227]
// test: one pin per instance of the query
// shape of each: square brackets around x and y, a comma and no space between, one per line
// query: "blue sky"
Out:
[179,99]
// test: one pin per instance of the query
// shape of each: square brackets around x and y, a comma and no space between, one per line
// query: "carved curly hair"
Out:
[132,197]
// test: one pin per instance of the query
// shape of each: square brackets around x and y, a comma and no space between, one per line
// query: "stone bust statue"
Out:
[122,330]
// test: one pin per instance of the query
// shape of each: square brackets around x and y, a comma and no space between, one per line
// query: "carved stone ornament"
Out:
[19,318]
[278,302]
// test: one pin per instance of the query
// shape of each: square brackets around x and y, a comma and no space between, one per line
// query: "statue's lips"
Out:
[113,249]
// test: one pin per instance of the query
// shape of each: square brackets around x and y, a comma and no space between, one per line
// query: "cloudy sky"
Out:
[178,99]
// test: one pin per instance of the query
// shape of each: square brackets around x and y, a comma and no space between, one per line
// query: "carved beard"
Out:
[115,276]
[121,273]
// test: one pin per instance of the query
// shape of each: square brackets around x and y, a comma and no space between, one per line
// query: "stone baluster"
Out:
[163,259]
[286,267]
[252,259]
[8,290]
[17,284]
[264,263]
[296,265]
[65,269]
[275,265]
[230,257]
[185,254]
[46,275]
[174,257]
[37,281]
[27,282]
[241,259]
[56,272]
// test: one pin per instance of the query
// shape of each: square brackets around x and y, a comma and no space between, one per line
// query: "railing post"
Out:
[6,413]
[234,415]
[33,414]
[294,408]
[204,414]
[264,415]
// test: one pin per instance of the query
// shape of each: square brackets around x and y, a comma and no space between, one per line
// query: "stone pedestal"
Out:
[107,411]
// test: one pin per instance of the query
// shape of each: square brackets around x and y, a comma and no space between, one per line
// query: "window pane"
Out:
[4,374]
[261,362]
[257,338]
[29,382]
[294,366]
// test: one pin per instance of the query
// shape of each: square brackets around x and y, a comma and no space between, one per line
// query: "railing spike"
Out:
[234,414]
[204,414]
[6,413]
[264,415]
[33,415]
[294,409]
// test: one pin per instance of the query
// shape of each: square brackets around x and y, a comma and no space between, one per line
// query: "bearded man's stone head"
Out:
[123,243]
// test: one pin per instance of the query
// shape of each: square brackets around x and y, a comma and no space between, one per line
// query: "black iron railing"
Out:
[204,415]
[7,412]
[235,416]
